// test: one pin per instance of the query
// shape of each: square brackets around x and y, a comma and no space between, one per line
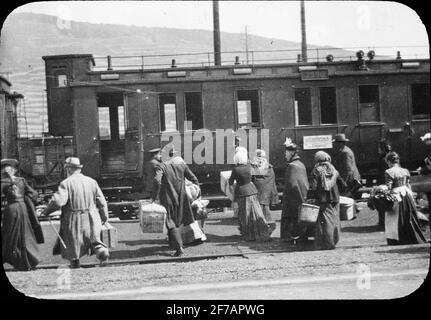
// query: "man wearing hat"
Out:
[83,211]
[295,193]
[150,169]
[345,163]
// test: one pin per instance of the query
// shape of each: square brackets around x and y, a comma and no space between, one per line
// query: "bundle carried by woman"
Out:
[381,198]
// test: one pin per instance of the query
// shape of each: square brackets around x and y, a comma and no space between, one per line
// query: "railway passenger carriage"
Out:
[116,115]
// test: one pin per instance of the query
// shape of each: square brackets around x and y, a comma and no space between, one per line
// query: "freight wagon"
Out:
[116,114]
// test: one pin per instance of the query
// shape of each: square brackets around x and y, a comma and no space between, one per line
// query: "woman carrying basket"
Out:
[401,221]
[324,186]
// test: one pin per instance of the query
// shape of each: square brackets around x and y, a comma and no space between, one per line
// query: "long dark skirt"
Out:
[19,246]
[252,223]
[327,226]
[401,223]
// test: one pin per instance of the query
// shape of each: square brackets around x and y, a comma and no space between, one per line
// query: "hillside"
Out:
[26,37]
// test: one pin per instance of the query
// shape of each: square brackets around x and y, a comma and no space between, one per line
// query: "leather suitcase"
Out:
[109,235]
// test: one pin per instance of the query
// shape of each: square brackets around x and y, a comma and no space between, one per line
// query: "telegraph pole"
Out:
[246,43]
[216,20]
[303,33]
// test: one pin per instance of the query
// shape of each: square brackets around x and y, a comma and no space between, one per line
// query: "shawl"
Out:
[325,174]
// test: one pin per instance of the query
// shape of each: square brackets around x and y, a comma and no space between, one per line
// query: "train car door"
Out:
[85,132]
[111,116]
[133,143]
[394,100]
[419,117]
[368,131]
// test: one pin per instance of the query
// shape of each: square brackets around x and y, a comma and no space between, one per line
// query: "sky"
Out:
[335,23]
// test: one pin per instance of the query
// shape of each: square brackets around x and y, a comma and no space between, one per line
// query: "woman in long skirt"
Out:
[252,223]
[401,221]
[264,180]
[324,183]
[19,245]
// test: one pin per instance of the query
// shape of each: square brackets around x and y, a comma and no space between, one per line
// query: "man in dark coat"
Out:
[169,186]
[295,193]
[345,163]
[150,169]
[425,169]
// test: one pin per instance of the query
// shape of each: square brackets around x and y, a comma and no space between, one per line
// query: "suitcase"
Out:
[347,208]
[152,217]
[109,235]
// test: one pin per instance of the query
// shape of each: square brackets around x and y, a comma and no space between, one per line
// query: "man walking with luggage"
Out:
[345,163]
[83,211]
[295,193]
[170,187]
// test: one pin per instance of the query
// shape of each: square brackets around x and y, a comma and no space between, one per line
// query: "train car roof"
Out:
[70,56]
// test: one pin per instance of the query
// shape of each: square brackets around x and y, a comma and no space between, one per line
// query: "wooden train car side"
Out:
[115,116]
[8,119]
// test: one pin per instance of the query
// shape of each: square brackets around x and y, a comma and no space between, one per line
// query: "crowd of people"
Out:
[84,208]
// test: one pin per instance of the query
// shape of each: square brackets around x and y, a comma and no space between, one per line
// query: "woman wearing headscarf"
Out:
[264,180]
[19,244]
[252,223]
[401,221]
[324,184]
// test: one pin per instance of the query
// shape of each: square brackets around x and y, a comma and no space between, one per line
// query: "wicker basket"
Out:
[152,217]
[308,213]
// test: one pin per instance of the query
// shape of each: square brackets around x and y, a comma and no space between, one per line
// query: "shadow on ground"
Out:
[146,252]
[363,229]
[409,250]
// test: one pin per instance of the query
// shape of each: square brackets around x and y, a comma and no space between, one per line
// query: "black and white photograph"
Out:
[223,152]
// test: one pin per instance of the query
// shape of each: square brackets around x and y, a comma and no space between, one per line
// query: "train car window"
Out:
[121,121]
[247,105]
[368,93]
[328,105]
[168,112]
[421,100]
[111,116]
[104,124]
[303,115]
[109,129]
[194,110]
[369,103]
[61,80]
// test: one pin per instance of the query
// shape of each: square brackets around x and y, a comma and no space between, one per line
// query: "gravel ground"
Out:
[362,242]
[250,267]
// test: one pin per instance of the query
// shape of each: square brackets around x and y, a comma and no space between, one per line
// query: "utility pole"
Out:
[303,33]
[216,21]
[246,43]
